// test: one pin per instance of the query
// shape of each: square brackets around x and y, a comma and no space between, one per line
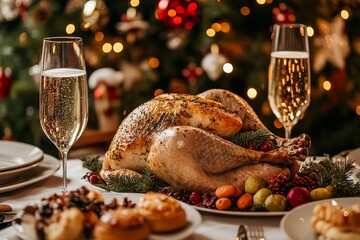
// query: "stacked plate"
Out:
[22,164]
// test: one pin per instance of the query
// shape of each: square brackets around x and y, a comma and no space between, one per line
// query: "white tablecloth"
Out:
[213,226]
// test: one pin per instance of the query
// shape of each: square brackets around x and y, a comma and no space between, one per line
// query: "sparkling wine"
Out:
[289,85]
[64,105]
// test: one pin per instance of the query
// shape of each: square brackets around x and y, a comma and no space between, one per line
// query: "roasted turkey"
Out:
[184,141]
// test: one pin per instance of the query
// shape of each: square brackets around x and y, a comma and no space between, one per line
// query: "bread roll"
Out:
[162,212]
[336,222]
[121,223]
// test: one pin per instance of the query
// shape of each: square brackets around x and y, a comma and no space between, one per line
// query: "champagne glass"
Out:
[289,74]
[63,94]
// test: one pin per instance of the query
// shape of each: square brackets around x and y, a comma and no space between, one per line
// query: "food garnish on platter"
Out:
[336,222]
[194,145]
[83,214]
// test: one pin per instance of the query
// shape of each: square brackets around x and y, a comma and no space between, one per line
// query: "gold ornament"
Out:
[332,44]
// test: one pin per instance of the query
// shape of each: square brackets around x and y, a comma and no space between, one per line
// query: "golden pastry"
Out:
[162,212]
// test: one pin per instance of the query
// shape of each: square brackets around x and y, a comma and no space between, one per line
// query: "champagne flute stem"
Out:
[288,132]
[64,155]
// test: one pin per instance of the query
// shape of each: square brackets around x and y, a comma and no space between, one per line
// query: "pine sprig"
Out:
[92,163]
[336,174]
[252,137]
[140,184]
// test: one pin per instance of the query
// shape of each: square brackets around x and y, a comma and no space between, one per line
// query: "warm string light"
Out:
[251,93]
[118,47]
[357,110]
[245,11]
[23,38]
[153,62]
[310,31]
[327,85]
[70,29]
[344,14]
[134,3]
[228,68]
[99,36]
[107,47]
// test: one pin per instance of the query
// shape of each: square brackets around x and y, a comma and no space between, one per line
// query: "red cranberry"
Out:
[195,197]
[93,178]
[252,146]
[266,147]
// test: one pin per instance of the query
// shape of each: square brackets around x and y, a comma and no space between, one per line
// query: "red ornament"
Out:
[178,13]
[23,8]
[5,82]
[283,14]
[192,72]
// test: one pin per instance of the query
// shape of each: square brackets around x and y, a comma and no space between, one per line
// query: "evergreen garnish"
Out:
[92,163]
[336,174]
[139,184]
[256,138]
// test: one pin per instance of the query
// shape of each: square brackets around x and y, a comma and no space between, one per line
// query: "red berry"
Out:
[93,178]
[195,197]
[252,146]
[266,147]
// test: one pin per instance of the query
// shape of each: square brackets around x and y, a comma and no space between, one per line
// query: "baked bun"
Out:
[162,212]
[121,223]
[67,224]
[336,222]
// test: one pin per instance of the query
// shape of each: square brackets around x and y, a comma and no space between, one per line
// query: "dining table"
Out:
[212,226]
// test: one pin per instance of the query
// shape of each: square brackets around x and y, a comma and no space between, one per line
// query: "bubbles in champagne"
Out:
[289,85]
[63,105]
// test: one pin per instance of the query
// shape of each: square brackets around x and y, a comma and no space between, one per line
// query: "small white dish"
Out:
[193,218]
[16,155]
[44,170]
[296,223]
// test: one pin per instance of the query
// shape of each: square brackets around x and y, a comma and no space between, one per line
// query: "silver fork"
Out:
[256,231]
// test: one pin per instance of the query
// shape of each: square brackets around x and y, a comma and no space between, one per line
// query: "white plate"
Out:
[16,154]
[44,170]
[193,218]
[296,223]
[355,156]
[6,176]
[241,213]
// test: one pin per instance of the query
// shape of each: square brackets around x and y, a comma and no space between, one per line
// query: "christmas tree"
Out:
[185,46]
